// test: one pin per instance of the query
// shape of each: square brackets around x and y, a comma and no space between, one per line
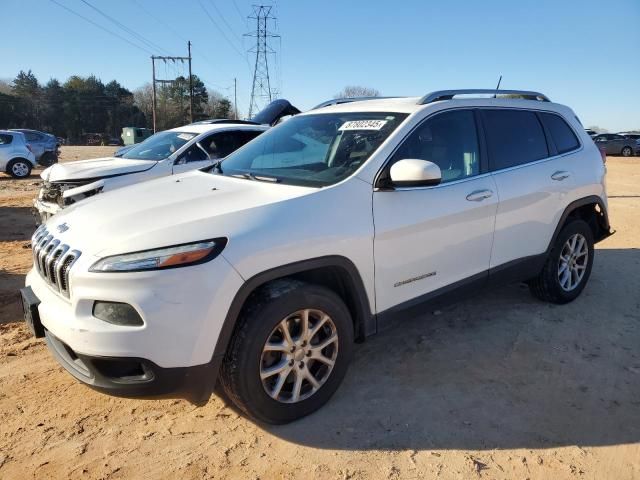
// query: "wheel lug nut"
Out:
[301,365]
[291,363]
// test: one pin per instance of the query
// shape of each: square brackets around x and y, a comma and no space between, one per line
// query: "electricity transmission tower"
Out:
[261,91]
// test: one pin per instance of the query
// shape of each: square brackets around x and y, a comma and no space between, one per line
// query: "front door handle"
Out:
[479,195]
[560,175]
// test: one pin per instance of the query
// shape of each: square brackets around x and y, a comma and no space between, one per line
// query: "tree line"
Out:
[83,105]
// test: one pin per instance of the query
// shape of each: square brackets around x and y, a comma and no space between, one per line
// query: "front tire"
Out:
[290,352]
[19,168]
[568,266]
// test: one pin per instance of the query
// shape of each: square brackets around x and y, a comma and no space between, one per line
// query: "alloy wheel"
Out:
[299,355]
[20,169]
[573,261]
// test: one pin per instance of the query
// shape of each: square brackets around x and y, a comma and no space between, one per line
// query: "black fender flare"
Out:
[592,199]
[362,299]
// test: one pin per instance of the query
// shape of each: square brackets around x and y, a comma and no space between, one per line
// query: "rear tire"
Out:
[275,379]
[568,266]
[19,168]
[627,152]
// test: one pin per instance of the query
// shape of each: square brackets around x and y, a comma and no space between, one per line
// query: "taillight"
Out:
[603,154]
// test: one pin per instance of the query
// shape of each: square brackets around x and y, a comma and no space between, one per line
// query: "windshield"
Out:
[159,146]
[313,150]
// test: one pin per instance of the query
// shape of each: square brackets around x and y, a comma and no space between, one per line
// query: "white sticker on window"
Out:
[186,136]
[363,125]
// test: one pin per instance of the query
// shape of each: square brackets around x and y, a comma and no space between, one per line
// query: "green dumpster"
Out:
[132,135]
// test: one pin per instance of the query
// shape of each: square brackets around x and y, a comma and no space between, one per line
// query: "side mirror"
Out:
[415,173]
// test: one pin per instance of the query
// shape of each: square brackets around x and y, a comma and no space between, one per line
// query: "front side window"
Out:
[194,153]
[562,135]
[313,150]
[449,140]
[5,139]
[514,137]
[219,145]
[159,146]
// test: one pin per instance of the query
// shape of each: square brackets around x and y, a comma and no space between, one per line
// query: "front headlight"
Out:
[162,258]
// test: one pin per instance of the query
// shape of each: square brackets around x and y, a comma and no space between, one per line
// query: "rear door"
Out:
[427,238]
[532,176]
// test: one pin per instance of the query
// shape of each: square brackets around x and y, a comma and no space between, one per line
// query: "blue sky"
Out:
[583,53]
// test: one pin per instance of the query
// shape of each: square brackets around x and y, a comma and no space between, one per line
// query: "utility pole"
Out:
[153,107]
[190,83]
[165,81]
[261,88]
[235,96]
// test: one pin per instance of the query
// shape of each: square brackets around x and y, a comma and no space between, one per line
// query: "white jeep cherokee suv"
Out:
[263,272]
[179,150]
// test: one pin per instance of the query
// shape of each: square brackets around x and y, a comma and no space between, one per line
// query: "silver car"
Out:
[615,144]
[44,145]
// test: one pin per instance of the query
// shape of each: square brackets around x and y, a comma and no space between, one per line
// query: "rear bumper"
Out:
[136,377]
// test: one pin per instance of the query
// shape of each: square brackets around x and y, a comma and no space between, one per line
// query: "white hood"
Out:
[169,211]
[95,169]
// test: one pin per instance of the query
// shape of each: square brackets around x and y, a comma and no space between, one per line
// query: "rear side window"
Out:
[514,137]
[5,139]
[561,133]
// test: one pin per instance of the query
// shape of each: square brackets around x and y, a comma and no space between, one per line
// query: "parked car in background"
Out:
[16,157]
[263,271]
[591,133]
[633,135]
[178,150]
[45,146]
[615,144]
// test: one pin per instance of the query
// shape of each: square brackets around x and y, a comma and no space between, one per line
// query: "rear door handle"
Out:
[560,175]
[479,195]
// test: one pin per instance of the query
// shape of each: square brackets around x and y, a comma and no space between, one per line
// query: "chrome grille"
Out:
[53,259]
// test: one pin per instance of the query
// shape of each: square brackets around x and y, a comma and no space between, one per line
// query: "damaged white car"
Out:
[195,146]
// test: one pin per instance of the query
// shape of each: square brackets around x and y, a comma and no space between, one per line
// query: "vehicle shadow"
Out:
[17,223]
[10,304]
[500,370]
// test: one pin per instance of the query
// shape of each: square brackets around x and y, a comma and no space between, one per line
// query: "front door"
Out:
[192,158]
[428,238]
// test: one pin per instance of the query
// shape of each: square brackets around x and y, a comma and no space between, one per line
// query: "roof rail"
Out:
[337,101]
[213,121]
[449,94]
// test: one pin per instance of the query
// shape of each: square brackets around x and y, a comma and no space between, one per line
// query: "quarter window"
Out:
[514,137]
[562,135]
[449,140]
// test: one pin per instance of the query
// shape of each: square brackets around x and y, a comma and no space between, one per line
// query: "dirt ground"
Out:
[500,386]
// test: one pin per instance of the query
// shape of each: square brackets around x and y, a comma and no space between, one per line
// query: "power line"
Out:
[101,27]
[225,21]
[125,28]
[221,31]
[242,17]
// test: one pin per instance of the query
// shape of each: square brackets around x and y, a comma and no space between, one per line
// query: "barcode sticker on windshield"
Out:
[363,125]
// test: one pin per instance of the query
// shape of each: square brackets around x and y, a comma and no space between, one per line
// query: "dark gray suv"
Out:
[44,145]
[615,144]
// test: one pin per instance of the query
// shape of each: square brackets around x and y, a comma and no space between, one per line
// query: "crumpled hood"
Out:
[169,211]
[95,169]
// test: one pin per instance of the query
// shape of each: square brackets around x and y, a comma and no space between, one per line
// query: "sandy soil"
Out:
[501,386]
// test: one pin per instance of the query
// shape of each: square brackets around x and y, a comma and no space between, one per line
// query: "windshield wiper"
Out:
[253,176]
